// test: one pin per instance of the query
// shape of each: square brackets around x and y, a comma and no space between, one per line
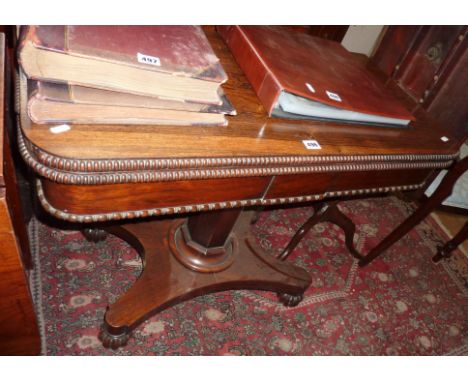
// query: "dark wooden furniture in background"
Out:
[19,333]
[430,63]
[98,174]
[435,200]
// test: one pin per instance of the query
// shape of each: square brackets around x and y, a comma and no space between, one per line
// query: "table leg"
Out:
[445,251]
[440,194]
[187,258]
[325,212]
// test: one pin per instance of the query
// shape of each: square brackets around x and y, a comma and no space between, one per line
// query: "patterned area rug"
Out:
[401,303]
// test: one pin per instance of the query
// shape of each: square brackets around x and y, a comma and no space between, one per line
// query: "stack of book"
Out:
[122,75]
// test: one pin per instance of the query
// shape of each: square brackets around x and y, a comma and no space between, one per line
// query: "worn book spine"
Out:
[265,84]
[54,92]
[54,104]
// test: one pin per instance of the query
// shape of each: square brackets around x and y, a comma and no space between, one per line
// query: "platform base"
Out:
[166,280]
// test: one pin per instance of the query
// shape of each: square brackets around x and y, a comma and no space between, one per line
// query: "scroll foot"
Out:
[113,340]
[94,235]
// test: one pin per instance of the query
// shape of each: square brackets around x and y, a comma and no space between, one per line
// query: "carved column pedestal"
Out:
[187,258]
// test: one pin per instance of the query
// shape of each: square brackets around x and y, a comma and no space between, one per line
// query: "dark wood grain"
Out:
[2,104]
[417,72]
[17,194]
[394,46]
[446,98]
[296,185]
[223,222]
[430,64]
[131,197]
[19,333]
[309,184]
[165,281]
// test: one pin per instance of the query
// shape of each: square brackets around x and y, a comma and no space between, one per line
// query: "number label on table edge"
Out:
[311,144]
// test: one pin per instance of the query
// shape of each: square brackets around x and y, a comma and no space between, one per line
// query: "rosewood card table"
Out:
[177,193]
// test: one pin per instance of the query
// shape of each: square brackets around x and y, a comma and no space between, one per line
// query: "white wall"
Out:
[362,38]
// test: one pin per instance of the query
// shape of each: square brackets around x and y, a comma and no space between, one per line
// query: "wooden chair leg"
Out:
[445,251]
[441,193]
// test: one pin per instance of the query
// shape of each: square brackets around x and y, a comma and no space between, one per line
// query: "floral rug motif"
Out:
[401,303]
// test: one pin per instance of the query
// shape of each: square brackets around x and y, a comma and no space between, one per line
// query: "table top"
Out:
[250,133]
[108,172]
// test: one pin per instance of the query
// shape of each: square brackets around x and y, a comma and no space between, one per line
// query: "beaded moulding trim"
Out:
[94,172]
[96,218]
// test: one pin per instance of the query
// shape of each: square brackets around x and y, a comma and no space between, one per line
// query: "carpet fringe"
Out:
[309,300]
[455,278]
[463,350]
[35,282]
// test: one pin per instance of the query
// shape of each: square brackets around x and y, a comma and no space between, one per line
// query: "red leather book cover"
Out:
[276,59]
[177,50]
